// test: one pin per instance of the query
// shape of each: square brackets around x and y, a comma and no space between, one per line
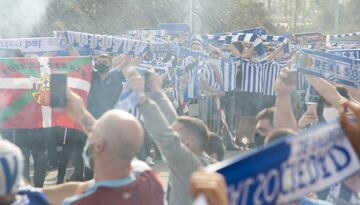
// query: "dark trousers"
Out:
[145,149]
[70,148]
[31,142]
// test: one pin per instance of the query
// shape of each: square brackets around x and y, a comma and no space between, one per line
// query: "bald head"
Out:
[122,133]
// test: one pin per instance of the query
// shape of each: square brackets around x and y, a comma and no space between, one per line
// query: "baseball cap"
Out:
[11,168]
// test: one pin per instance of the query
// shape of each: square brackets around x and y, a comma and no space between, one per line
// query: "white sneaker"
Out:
[150,161]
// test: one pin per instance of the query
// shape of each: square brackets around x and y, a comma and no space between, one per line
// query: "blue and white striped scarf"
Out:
[152,32]
[279,39]
[329,66]
[106,43]
[344,35]
[258,31]
[339,44]
[330,39]
[33,45]
[316,159]
[118,45]
[240,37]
[347,53]
[128,99]
[248,38]
[270,38]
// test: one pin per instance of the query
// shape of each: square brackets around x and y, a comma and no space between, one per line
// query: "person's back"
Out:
[179,180]
[182,144]
[113,142]
[134,189]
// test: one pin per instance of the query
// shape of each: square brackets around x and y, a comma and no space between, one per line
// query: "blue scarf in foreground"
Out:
[290,168]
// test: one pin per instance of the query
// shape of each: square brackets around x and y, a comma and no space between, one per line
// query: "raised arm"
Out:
[351,128]
[160,98]
[76,110]
[211,48]
[58,193]
[272,56]
[326,90]
[168,142]
[283,116]
[248,52]
[352,131]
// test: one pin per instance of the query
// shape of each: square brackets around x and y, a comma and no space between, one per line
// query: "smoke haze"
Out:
[19,17]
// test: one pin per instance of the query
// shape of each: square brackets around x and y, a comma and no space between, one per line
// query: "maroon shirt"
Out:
[145,189]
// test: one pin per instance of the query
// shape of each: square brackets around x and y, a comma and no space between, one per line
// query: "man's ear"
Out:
[99,146]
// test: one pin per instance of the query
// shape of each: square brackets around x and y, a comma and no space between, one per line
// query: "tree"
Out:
[117,16]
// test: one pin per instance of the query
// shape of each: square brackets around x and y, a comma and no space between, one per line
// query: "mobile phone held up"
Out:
[58,86]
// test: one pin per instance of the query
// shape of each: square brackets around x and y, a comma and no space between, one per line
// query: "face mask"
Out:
[86,155]
[101,68]
[260,134]
[226,54]
[330,113]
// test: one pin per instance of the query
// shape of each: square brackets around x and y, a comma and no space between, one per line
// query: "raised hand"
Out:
[351,129]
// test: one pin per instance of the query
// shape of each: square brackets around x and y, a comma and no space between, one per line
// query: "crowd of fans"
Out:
[109,154]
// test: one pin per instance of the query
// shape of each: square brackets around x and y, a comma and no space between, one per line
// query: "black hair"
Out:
[197,128]
[215,145]
[278,134]
[239,46]
[267,113]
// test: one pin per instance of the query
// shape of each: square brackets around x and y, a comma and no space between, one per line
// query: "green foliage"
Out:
[117,16]
[285,16]
[319,15]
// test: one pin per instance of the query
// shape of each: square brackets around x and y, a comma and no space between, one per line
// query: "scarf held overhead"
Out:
[106,43]
[329,66]
[32,45]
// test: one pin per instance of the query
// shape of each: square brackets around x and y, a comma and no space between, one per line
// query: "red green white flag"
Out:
[25,90]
